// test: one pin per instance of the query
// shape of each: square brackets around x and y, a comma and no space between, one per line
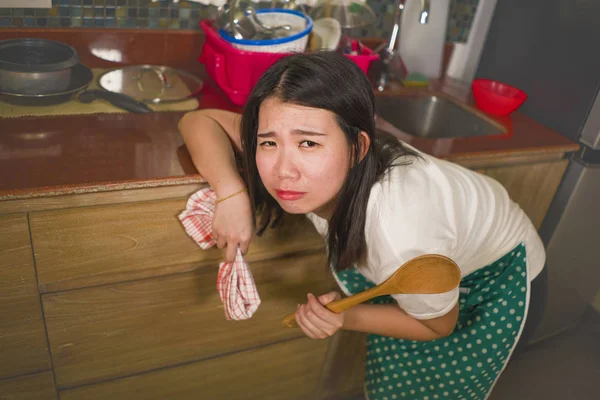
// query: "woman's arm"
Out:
[211,137]
[391,320]
[317,322]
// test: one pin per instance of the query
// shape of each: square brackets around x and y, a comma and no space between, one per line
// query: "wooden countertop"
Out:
[58,155]
[49,156]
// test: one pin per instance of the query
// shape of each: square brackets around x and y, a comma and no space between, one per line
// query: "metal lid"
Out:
[36,55]
[151,83]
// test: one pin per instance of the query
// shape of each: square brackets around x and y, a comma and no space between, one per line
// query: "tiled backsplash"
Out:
[164,14]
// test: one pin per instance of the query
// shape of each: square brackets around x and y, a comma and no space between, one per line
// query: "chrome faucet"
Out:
[391,64]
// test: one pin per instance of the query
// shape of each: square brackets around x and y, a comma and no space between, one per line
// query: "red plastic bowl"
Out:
[496,97]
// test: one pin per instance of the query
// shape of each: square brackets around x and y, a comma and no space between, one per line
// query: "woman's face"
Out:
[302,156]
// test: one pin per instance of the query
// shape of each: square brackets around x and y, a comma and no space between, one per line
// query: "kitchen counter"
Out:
[59,155]
[48,156]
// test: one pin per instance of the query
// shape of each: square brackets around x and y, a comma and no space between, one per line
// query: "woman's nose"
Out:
[286,167]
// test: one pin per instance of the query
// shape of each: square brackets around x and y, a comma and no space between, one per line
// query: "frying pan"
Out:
[81,77]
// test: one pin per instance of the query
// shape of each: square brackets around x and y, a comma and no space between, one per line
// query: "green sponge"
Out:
[415,79]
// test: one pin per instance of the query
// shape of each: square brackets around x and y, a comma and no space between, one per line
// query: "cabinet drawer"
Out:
[23,346]
[288,370]
[98,245]
[109,331]
[30,387]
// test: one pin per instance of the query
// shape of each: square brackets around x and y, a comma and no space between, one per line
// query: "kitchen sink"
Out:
[432,116]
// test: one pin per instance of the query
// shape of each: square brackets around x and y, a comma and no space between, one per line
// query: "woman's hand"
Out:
[232,225]
[315,320]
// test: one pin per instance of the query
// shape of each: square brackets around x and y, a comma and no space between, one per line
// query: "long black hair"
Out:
[329,81]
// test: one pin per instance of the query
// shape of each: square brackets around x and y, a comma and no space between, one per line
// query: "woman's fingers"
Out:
[307,326]
[231,251]
[324,319]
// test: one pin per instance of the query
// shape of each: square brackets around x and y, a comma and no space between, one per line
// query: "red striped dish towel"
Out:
[235,282]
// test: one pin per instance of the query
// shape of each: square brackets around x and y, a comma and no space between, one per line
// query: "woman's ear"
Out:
[364,141]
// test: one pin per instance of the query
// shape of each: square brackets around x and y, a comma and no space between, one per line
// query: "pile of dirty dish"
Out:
[247,37]
[287,26]
[42,72]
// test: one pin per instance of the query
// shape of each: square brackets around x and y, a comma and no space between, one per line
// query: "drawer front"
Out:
[109,331]
[288,370]
[99,245]
[23,344]
[31,387]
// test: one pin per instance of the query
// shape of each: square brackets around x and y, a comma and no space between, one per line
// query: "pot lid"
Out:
[151,83]
[36,55]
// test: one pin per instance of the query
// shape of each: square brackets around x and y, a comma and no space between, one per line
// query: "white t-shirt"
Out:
[434,206]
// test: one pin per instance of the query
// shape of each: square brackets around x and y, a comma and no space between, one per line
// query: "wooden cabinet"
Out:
[532,185]
[23,344]
[287,370]
[131,308]
[122,329]
[29,387]
[79,247]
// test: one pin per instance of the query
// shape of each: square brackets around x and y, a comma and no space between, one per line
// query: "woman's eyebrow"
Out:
[307,133]
[294,132]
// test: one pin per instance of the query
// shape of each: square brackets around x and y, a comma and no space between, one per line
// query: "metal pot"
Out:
[35,66]
[81,77]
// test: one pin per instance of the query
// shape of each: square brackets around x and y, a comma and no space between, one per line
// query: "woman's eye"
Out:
[267,144]
[308,143]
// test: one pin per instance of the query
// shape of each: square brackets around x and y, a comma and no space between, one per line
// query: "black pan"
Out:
[81,77]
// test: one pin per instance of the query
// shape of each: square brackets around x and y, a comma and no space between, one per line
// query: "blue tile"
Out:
[88,22]
[5,21]
[110,22]
[99,22]
[184,13]
[63,2]
[64,11]
[29,21]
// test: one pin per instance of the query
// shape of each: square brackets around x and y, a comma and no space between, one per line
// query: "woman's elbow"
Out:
[444,326]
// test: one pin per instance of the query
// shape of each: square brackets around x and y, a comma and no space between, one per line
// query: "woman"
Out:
[309,145]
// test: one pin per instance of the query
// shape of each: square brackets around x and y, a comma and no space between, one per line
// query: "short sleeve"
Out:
[410,214]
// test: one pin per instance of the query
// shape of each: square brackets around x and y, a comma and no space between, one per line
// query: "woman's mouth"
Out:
[289,194]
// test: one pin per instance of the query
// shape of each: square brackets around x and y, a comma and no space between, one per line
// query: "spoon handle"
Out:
[342,305]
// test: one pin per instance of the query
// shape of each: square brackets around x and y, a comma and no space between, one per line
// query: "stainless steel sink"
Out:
[431,116]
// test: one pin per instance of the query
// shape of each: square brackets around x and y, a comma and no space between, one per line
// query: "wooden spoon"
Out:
[427,274]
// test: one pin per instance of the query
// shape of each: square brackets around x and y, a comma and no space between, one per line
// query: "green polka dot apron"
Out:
[493,305]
